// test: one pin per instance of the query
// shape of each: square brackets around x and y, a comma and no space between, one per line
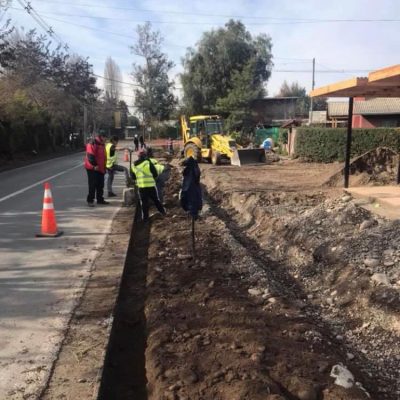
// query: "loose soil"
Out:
[290,279]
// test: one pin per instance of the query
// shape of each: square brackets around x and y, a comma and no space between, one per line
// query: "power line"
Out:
[339,71]
[287,20]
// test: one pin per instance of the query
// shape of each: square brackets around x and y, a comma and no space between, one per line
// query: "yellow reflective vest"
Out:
[144,177]
[159,167]
[111,160]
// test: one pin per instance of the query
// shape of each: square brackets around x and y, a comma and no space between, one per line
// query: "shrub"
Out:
[328,144]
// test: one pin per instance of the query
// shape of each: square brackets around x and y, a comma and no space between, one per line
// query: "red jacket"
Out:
[96,155]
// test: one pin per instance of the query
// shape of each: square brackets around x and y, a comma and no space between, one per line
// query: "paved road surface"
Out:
[41,278]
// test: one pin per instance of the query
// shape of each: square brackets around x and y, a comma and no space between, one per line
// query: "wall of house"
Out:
[266,110]
[359,121]
[378,121]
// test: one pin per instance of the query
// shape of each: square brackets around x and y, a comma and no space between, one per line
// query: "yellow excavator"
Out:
[204,139]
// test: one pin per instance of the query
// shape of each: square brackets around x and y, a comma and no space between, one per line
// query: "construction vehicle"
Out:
[204,139]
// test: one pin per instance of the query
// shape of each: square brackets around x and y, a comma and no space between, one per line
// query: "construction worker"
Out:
[95,165]
[145,174]
[112,165]
[163,174]
[136,142]
[141,142]
[170,146]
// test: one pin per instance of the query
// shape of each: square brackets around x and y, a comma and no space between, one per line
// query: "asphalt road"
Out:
[42,278]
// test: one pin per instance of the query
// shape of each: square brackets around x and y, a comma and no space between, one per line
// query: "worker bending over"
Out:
[113,166]
[163,174]
[145,174]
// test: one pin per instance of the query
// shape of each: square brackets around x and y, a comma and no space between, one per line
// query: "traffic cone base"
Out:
[49,224]
[59,233]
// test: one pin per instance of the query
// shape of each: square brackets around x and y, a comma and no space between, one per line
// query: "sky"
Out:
[300,31]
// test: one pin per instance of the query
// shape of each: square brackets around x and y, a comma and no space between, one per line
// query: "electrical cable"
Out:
[195,13]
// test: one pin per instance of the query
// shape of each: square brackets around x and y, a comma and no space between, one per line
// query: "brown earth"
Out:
[281,289]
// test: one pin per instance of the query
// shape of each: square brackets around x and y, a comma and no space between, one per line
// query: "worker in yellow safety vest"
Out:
[145,173]
[163,174]
[112,165]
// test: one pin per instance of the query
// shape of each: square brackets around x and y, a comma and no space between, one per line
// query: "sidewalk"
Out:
[384,200]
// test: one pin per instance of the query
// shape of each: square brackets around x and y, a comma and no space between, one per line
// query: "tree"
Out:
[113,78]
[42,92]
[226,71]
[303,103]
[153,97]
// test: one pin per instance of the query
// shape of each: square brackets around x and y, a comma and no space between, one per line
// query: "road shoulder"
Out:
[77,370]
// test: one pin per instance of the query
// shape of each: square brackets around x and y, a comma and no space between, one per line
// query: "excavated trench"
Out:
[338,259]
[124,370]
[269,305]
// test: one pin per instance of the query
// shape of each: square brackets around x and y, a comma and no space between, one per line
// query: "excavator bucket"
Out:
[248,156]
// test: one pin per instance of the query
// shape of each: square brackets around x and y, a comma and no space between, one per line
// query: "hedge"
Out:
[328,144]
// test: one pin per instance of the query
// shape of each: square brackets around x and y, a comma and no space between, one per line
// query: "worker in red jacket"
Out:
[95,164]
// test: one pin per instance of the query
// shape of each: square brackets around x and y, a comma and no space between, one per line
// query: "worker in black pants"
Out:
[145,174]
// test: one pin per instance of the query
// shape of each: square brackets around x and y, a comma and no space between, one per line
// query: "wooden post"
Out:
[348,143]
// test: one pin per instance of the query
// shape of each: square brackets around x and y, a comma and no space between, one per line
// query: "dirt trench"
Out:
[224,325]
[340,261]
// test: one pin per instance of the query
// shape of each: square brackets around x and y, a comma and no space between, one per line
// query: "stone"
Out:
[371,262]
[308,393]
[255,357]
[366,224]
[184,256]
[169,373]
[380,279]
[82,380]
[339,337]
[388,263]
[255,292]
[346,198]
[272,300]
[350,356]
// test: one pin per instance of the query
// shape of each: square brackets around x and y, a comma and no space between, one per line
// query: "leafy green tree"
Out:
[42,92]
[226,71]
[153,97]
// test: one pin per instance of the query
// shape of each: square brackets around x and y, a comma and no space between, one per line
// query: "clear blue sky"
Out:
[296,29]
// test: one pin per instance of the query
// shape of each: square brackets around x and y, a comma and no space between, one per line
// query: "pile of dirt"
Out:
[345,262]
[375,167]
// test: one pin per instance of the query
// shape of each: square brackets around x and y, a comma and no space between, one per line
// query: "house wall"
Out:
[359,121]
[266,110]
[378,121]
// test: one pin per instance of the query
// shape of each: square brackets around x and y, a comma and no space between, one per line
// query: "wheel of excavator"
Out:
[191,150]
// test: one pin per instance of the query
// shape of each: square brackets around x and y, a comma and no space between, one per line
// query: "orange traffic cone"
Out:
[49,224]
[126,155]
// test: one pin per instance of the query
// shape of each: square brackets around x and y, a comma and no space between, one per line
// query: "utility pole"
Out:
[312,88]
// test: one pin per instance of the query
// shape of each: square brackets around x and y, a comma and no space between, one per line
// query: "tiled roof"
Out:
[378,106]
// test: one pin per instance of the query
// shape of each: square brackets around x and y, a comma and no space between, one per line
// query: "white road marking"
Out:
[9,196]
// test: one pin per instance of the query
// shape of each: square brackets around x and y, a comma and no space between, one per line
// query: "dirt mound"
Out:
[219,327]
[375,167]
[345,263]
